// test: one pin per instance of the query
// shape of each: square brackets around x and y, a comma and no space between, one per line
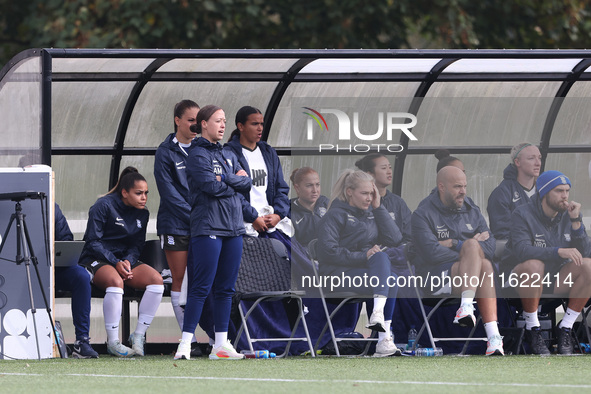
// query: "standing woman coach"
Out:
[215,180]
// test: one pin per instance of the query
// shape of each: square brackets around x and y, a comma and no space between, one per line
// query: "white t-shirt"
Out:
[181,145]
[259,176]
[531,192]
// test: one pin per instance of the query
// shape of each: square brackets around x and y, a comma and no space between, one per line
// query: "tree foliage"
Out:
[287,24]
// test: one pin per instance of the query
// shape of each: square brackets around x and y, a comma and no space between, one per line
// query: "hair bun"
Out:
[195,128]
[442,154]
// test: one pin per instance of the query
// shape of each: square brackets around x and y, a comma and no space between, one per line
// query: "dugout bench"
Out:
[152,255]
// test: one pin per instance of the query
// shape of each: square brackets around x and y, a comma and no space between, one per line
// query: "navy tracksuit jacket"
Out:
[305,222]
[433,222]
[114,231]
[216,206]
[503,201]
[346,233]
[170,172]
[536,236]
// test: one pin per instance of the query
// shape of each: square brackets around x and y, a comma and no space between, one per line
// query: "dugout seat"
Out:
[436,302]
[340,299]
[265,276]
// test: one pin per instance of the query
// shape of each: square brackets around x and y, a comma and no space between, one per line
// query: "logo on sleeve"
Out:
[567,237]
[119,222]
[469,226]
[351,218]
[392,215]
[539,241]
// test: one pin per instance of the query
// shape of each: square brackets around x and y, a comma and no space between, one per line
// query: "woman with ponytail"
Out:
[351,237]
[173,223]
[215,180]
[115,236]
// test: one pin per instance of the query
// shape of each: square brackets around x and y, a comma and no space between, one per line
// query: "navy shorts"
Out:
[175,243]
[93,266]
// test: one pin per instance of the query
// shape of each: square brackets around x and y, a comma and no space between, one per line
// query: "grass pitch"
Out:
[161,374]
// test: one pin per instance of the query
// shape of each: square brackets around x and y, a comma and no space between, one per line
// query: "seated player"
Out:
[451,239]
[549,246]
[115,235]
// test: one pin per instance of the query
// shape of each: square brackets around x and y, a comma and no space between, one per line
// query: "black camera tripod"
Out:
[25,253]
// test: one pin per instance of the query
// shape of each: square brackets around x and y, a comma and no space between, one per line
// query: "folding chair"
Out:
[340,298]
[435,304]
[264,276]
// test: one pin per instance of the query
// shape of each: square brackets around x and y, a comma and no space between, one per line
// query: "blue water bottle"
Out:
[429,352]
[258,354]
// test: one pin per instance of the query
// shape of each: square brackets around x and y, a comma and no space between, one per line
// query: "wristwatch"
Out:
[577,219]
[454,243]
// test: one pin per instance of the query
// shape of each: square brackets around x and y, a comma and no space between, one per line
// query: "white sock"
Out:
[379,302]
[569,318]
[220,339]
[179,312]
[148,306]
[467,297]
[492,329]
[112,307]
[388,333]
[531,319]
[187,336]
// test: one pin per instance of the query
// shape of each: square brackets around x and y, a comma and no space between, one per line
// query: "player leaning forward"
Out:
[549,246]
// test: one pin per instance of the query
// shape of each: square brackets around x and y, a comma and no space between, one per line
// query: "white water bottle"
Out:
[412,337]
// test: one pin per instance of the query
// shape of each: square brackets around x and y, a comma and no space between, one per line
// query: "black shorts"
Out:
[175,243]
[93,266]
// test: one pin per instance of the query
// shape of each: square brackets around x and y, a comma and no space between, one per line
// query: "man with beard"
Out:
[550,249]
[453,242]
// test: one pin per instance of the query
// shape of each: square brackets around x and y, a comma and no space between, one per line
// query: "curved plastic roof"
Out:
[88,113]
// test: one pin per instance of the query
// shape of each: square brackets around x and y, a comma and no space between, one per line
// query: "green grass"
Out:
[161,374]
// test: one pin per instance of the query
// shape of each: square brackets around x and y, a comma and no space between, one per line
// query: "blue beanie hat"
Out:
[548,180]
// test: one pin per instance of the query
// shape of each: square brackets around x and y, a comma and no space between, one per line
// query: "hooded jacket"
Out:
[346,233]
[114,231]
[305,222]
[433,222]
[215,205]
[536,236]
[503,201]
[171,179]
[277,189]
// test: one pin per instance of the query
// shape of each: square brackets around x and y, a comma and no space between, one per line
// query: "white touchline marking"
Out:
[583,386]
